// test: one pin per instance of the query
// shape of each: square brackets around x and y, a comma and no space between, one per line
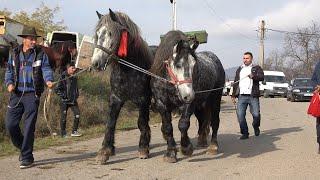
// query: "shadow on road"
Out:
[84,156]
[65,159]
[231,145]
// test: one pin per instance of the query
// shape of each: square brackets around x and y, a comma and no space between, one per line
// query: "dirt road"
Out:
[286,149]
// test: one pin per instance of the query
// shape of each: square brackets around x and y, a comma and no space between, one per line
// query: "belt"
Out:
[245,94]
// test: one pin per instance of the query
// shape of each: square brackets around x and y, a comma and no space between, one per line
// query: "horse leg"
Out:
[143,124]
[184,124]
[107,150]
[203,131]
[215,121]
[167,132]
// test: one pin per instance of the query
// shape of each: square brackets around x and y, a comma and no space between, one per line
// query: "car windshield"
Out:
[277,79]
[302,82]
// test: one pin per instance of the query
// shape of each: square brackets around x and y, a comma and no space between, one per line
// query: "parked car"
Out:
[227,88]
[274,84]
[300,89]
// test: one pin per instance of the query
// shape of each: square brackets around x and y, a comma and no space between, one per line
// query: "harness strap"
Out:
[174,79]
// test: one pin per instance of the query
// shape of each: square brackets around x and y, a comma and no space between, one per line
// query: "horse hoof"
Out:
[187,151]
[144,154]
[170,159]
[212,149]
[103,156]
[202,143]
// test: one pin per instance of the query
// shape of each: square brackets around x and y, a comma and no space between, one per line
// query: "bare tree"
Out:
[275,61]
[302,48]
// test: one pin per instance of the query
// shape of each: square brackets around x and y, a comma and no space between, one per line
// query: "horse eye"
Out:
[178,65]
[110,34]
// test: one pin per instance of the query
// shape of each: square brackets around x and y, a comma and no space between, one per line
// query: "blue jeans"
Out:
[254,104]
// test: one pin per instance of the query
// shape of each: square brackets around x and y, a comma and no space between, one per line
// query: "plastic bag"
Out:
[314,106]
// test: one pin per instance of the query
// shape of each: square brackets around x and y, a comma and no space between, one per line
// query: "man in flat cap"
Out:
[27,72]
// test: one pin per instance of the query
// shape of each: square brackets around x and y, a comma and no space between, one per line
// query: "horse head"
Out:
[62,53]
[111,38]
[71,48]
[180,69]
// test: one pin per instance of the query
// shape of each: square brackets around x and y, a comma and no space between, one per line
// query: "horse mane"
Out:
[58,54]
[138,50]
[165,50]
[55,58]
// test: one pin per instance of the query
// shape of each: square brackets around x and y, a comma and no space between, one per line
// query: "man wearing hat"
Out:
[27,71]
[67,89]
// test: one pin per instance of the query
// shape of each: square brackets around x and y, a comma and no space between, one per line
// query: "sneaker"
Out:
[26,164]
[244,136]
[75,134]
[64,136]
[256,131]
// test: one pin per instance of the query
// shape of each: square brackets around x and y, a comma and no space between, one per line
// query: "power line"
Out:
[213,12]
[290,32]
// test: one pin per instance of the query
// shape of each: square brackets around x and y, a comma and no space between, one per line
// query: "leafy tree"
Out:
[5,12]
[42,18]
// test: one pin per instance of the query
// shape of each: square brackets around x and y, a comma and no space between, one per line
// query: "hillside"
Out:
[230,73]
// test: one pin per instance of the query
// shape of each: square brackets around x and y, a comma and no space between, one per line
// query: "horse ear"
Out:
[177,48]
[113,16]
[194,45]
[99,15]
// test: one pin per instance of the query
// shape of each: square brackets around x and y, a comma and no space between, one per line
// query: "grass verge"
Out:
[6,147]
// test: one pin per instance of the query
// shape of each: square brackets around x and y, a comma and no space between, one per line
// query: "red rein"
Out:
[174,80]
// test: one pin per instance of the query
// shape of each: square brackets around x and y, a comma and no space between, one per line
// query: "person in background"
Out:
[247,91]
[27,71]
[316,84]
[67,90]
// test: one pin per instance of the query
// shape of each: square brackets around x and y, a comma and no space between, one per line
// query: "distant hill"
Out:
[231,73]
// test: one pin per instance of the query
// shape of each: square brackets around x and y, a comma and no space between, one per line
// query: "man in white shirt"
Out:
[246,89]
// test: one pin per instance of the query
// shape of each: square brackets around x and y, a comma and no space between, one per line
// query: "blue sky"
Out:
[231,24]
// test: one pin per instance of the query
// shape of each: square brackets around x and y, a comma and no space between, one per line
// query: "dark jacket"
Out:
[41,69]
[257,74]
[67,89]
[316,75]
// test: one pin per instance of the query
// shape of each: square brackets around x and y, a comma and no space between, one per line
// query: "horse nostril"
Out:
[95,64]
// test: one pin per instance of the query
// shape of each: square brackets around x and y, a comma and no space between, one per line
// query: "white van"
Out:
[60,36]
[274,84]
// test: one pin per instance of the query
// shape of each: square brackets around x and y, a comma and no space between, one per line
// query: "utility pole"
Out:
[174,13]
[262,35]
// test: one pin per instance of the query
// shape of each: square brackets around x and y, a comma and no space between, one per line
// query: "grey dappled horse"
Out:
[126,83]
[188,72]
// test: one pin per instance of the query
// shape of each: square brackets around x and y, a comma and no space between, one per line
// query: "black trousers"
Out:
[26,106]
[64,111]
[318,130]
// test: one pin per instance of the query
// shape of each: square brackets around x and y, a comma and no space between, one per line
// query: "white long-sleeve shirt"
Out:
[245,84]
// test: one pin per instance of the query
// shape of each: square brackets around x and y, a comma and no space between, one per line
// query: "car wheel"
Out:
[265,94]
[288,99]
[292,99]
